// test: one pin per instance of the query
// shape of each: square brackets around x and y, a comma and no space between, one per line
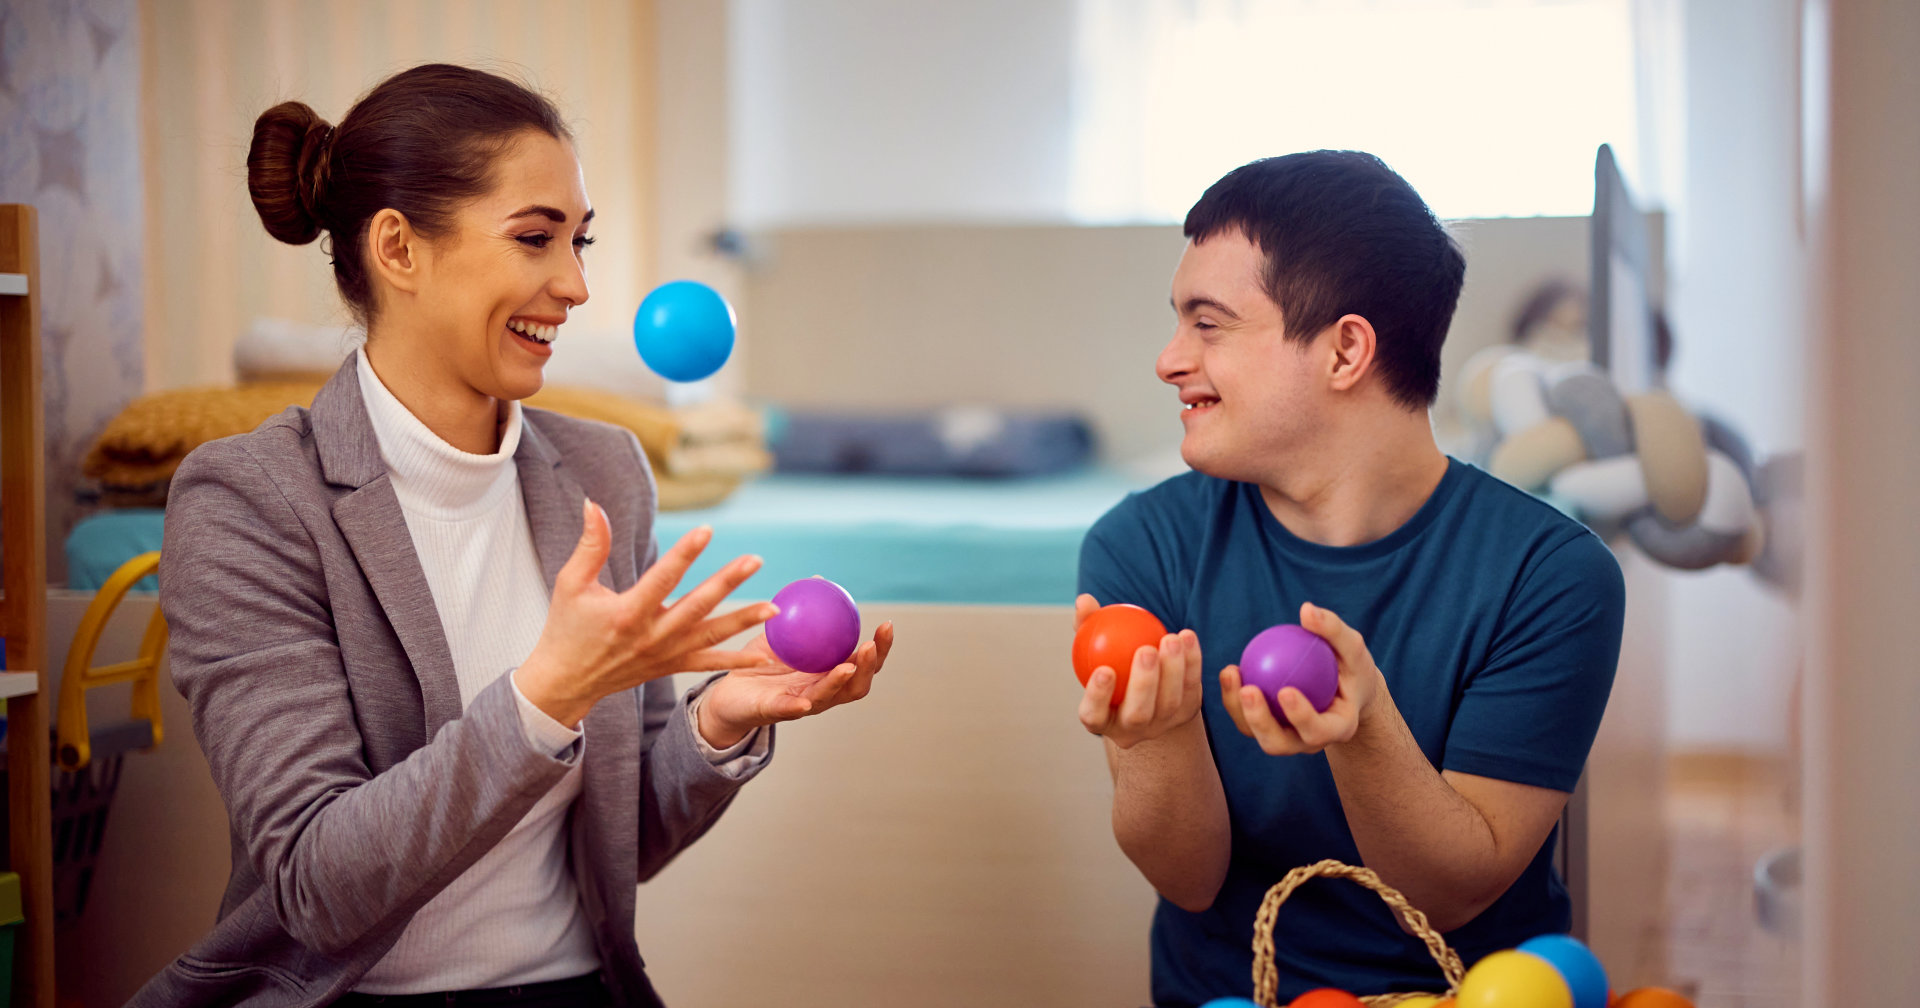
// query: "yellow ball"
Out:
[1424,1001]
[1513,979]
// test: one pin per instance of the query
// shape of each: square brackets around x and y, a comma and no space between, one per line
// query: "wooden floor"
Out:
[1725,814]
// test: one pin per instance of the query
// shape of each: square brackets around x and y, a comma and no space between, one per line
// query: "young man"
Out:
[1476,628]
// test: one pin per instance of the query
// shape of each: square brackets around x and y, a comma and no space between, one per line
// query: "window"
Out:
[1490,108]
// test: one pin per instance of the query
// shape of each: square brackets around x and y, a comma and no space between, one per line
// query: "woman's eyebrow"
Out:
[542,210]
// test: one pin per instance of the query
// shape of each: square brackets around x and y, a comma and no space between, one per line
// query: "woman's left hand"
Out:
[744,699]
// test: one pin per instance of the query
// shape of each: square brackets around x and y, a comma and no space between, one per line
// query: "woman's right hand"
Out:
[597,641]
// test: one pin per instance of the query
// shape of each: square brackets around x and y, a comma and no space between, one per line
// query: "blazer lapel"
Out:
[554,503]
[375,528]
[606,817]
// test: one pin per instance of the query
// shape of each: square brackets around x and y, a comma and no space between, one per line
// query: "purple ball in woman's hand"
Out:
[1290,655]
[818,625]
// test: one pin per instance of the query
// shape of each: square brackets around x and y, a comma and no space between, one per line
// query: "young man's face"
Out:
[1247,395]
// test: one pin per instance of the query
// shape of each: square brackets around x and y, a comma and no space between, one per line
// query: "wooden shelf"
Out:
[23,491]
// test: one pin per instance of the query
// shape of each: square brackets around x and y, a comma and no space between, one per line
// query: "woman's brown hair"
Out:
[421,142]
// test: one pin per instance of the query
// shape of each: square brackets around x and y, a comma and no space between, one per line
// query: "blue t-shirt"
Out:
[1496,622]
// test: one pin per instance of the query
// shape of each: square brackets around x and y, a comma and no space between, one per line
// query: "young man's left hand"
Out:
[1311,731]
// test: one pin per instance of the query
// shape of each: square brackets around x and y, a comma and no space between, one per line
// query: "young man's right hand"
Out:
[1163,692]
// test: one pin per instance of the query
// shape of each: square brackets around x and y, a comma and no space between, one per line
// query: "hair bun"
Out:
[287,171]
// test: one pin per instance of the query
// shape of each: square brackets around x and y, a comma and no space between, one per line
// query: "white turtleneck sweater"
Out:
[514,916]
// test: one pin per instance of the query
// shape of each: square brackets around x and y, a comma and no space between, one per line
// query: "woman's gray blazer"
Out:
[307,645]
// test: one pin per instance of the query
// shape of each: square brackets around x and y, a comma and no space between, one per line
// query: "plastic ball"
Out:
[1579,967]
[1110,637]
[684,330]
[1290,655]
[1513,979]
[1426,1001]
[1230,1002]
[1326,997]
[818,625]
[1651,997]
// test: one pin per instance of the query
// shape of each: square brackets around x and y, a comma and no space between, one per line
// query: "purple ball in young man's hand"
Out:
[1290,655]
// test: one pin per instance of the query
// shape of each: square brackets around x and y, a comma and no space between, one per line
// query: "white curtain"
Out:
[1489,107]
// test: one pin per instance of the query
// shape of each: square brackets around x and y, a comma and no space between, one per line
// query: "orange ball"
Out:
[1109,637]
[1651,997]
[1327,997]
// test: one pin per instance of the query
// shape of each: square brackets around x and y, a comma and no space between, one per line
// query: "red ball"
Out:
[1327,997]
[1110,637]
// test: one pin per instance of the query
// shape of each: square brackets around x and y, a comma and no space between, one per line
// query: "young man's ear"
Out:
[394,250]
[1352,351]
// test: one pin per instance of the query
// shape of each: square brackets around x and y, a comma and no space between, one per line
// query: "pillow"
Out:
[136,454]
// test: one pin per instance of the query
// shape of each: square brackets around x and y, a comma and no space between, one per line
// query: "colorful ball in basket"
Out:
[1231,1002]
[1513,979]
[1426,1001]
[818,625]
[684,330]
[1578,966]
[1651,997]
[1326,997]
[1110,637]
[1290,655]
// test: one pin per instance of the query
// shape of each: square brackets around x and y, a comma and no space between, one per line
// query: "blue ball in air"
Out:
[684,330]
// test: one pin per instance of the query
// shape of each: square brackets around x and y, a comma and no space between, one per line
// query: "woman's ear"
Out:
[1354,346]
[395,250]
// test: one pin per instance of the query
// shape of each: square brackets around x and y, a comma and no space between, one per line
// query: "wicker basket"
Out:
[1266,978]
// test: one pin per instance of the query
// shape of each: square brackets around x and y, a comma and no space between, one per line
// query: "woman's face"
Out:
[502,280]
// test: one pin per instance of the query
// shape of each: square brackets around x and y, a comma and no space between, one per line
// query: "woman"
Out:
[423,630]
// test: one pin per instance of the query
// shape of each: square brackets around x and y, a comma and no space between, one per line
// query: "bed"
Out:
[943,843]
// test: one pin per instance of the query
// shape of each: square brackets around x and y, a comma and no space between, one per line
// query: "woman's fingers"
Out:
[717,660]
[659,580]
[590,553]
[726,626]
[707,595]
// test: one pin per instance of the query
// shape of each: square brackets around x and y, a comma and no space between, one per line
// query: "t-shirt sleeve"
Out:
[1530,714]
[1122,561]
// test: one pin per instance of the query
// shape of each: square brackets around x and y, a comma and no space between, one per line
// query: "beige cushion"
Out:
[1673,455]
[1530,458]
[1476,382]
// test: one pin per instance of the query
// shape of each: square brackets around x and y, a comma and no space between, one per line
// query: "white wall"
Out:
[851,111]
[862,112]
[1738,288]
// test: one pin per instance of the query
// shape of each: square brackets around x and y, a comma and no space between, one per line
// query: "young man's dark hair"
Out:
[1342,233]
